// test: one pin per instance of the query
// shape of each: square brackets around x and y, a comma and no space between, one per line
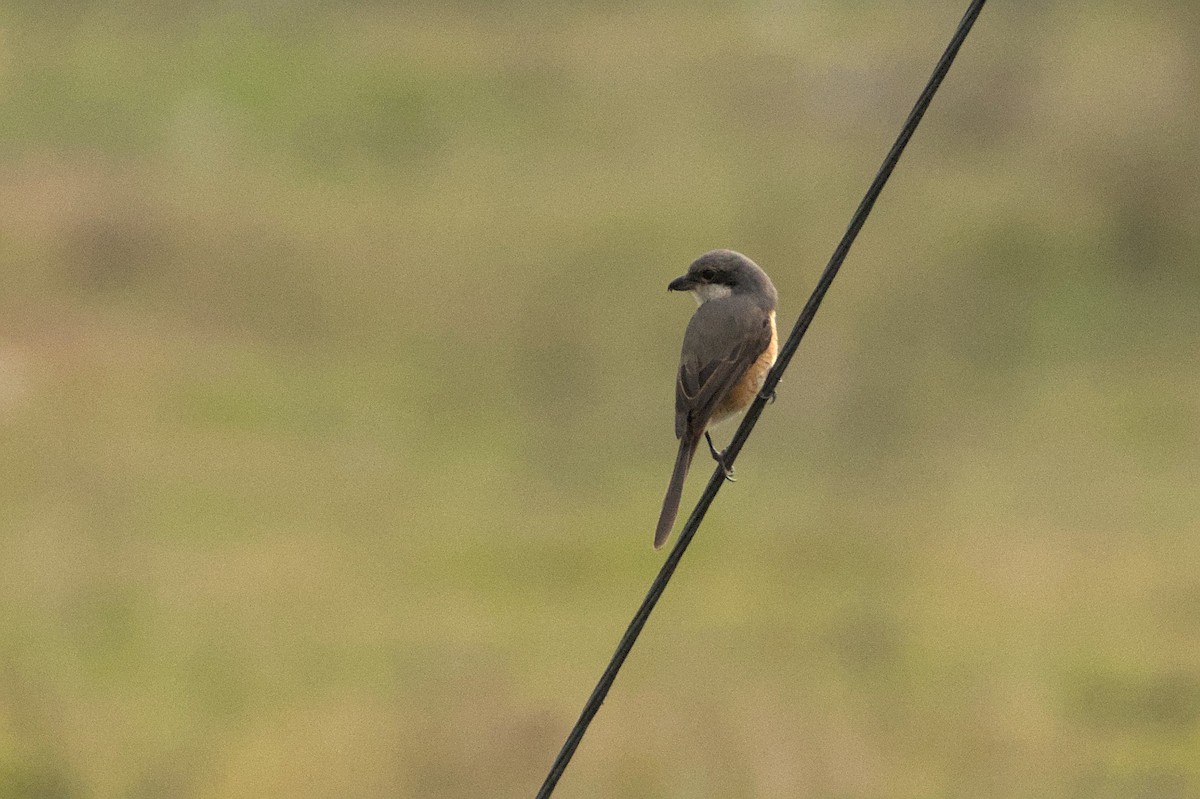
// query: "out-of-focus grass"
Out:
[335,373]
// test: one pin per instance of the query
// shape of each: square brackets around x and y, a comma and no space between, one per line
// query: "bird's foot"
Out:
[719,457]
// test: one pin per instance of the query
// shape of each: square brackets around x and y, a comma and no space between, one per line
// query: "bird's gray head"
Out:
[722,273]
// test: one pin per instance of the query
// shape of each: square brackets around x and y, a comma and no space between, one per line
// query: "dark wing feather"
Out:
[722,341]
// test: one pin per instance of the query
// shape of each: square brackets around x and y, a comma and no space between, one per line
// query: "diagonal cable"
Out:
[756,408]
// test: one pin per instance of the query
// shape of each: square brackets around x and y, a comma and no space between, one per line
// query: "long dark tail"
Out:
[670,508]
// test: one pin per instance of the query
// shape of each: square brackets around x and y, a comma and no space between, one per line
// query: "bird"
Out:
[728,348]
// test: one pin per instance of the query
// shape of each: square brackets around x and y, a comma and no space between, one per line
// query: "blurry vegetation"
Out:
[335,400]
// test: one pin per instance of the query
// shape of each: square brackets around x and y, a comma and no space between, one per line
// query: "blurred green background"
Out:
[336,378]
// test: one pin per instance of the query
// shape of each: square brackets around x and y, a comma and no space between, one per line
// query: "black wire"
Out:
[743,432]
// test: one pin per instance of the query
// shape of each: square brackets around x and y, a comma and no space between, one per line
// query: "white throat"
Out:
[710,291]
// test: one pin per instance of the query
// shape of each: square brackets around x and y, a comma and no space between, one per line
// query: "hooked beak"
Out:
[685,283]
